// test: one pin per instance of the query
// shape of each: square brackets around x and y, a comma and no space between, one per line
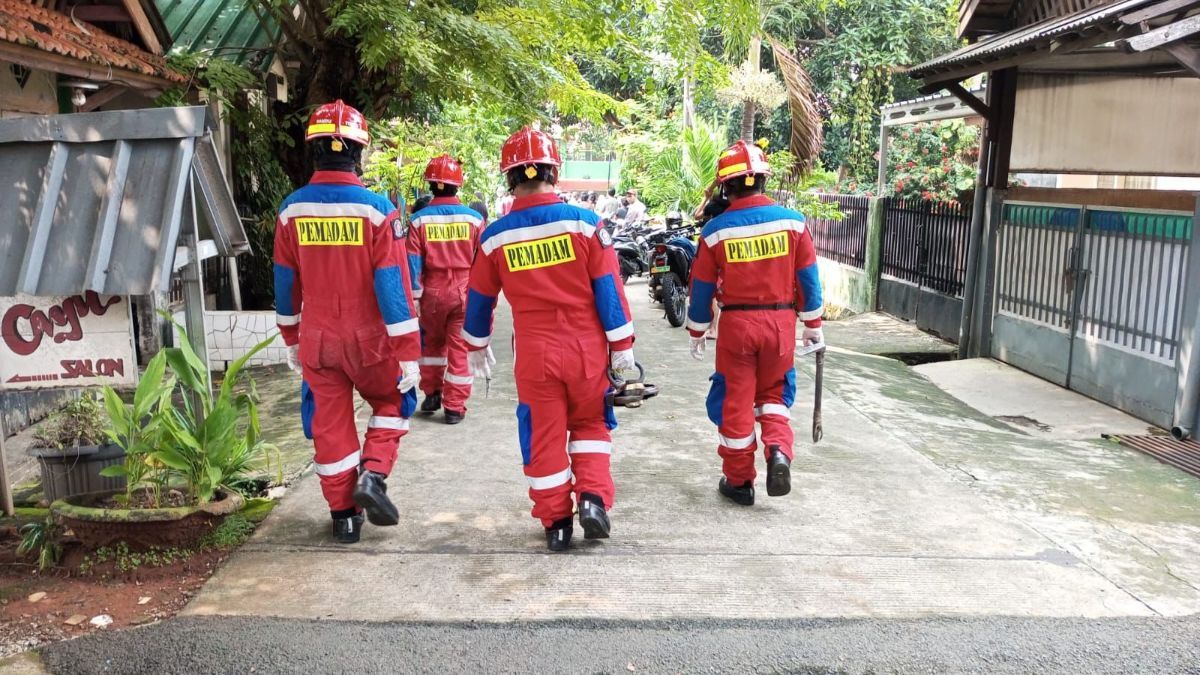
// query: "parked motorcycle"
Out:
[672,253]
[629,242]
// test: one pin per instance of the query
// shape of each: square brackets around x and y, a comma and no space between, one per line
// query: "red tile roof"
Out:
[25,24]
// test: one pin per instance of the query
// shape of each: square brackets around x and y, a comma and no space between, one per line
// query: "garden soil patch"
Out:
[107,591]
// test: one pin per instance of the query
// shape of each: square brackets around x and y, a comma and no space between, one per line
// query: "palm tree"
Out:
[806,128]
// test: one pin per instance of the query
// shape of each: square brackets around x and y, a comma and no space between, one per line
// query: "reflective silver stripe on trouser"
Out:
[582,447]
[378,422]
[287,320]
[773,409]
[341,466]
[737,443]
[432,361]
[458,379]
[546,482]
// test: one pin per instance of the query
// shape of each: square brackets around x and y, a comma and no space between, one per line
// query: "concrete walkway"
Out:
[914,505]
[1028,402]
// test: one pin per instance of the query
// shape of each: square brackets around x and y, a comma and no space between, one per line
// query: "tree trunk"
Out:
[689,106]
[748,110]
[753,59]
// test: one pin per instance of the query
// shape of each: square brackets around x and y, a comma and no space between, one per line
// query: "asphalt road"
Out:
[196,645]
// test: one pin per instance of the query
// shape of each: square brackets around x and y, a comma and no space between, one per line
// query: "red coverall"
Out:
[758,259]
[442,239]
[339,256]
[562,280]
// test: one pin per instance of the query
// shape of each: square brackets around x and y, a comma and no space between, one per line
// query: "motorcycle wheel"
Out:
[674,296]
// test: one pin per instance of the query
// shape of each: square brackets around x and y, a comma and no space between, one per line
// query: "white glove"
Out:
[410,376]
[812,336]
[622,360]
[481,361]
[698,345]
[293,358]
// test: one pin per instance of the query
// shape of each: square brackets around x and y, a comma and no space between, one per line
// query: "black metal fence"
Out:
[925,243]
[216,282]
[843,240]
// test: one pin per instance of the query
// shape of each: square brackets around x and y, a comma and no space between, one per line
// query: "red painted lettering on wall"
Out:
[76,368]
[42,324]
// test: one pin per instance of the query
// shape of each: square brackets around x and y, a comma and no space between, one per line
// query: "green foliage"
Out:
[522,54]
[471,134]
[683,170]
[935,162]
[230,533]
[855,51]
[259,140]
[209,446]
[126,560]
[139,429]
[75,424]
[42,537]
[210,441]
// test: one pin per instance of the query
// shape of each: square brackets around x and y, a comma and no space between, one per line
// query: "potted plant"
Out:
[73,450]
[182,454]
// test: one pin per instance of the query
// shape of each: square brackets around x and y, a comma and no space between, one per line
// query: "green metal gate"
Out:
[1092,298]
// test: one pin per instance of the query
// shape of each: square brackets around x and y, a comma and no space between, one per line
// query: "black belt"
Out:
[751,308]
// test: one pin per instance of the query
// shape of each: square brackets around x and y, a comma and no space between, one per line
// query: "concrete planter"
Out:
[171,527]
[75,471]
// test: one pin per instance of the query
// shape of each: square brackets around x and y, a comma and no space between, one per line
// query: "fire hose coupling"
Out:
[629,393]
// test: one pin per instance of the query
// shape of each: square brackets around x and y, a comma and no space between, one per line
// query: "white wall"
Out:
[232,334]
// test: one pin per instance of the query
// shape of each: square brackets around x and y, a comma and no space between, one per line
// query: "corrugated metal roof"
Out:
[26,24]
[226,28]
[1038,34]
[98,200]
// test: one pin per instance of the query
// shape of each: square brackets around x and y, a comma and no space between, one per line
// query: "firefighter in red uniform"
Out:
[762,257]
[442,238]
[557,269]
[339,257]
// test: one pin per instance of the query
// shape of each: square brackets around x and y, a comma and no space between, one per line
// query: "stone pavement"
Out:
[914,505]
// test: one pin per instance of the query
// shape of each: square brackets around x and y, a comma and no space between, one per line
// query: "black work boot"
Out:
[558,535]
[347,530]
[743,495]
[454,416]
[371,496]
[432,403]
[779,473]
[592,517]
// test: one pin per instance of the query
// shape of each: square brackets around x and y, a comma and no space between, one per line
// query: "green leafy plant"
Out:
[126,560]
[42,537]
[684,170]
[231,532]
[935,162]
[209,446]
[78,423]
[138,428]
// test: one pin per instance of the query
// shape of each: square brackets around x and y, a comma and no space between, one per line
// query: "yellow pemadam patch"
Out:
[532,255]
[749,249]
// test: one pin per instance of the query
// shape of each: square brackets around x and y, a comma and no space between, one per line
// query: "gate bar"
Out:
[1188,361]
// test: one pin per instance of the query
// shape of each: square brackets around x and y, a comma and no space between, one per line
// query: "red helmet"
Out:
[528,146]
[444,169]
[742,159]
[337,120]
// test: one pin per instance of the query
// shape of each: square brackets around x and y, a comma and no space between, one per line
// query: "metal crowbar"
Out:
[818,350]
